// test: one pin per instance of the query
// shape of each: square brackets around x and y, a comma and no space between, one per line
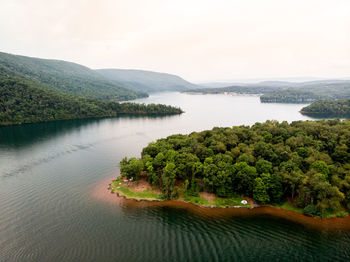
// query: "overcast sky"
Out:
[200,40]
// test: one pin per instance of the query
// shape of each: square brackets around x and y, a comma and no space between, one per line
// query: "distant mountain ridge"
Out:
[147,81]
[64,77]
[278,81]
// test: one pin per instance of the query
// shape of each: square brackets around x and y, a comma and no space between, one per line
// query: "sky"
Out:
[200,40]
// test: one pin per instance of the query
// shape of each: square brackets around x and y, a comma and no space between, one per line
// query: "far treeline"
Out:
[291,96]
[309,92]
[339,107]
[288,92]
[306,163]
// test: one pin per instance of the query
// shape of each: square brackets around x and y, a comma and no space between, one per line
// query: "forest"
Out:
[290,96]
[40,90]
[24,102]
[304,162]
[340,108]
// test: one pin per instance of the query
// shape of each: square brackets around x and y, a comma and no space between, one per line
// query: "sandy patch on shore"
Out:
[208,196]
[102,193]
[139,186]
[142,185]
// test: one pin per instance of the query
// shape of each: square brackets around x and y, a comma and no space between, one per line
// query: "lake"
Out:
[55,206]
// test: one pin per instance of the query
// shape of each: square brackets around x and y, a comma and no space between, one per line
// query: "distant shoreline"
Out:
[221,93]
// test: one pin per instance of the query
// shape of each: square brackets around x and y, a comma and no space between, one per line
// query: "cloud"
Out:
[200,40]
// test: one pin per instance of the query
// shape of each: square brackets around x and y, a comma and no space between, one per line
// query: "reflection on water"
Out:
[55,208]
[326,116]
[23,135]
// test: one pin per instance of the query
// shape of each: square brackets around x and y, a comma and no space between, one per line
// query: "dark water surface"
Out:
[49,211]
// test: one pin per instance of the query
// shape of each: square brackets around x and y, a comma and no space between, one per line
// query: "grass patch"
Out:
[342,214]
[197,200]
[216,202]
[122,188]
[332,213]
[229,202]
[288,206]
[326,214]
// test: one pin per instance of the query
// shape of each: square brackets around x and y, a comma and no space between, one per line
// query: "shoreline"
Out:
[332,223]
[139,199]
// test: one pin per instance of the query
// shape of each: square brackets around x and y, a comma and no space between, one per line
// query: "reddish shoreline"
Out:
[102,193]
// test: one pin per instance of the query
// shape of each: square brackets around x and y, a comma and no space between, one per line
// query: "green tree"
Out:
[320,167]
[263,166]
[168,180]
[260,191]
[131,168]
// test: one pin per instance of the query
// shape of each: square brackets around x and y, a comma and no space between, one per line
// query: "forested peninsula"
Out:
[21,102]
[340,108]
[40,90]
[303,166]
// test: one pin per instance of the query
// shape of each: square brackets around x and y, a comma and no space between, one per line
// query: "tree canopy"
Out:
[339,107]
[37,90]
[306,162]
[25,102]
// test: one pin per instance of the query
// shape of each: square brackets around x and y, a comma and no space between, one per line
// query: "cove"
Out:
[48,178]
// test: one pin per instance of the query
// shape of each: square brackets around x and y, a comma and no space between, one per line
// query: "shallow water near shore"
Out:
[55,205]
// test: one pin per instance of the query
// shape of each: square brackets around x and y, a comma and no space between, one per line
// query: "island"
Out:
[302,166]
[340,108]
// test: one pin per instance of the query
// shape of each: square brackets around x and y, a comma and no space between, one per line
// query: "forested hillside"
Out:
[63,77]
[147,81]
[23,102]
[304,162]
[328,107]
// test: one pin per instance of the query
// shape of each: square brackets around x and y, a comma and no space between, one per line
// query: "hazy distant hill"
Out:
[263,83]
[272,81]
[310,91]
[64,77]
[288,92]
[147,81]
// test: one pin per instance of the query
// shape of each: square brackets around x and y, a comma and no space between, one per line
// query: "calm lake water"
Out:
[53,206]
